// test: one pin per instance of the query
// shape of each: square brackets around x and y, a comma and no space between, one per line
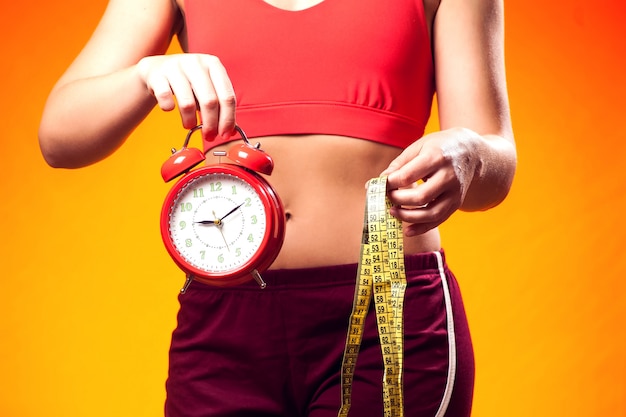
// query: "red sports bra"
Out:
[357,68]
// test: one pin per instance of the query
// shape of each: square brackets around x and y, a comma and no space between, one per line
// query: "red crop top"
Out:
[357,68]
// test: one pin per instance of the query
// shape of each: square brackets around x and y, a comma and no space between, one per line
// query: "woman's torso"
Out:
[321,181]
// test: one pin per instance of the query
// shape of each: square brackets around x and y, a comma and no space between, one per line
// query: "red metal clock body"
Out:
[222,224]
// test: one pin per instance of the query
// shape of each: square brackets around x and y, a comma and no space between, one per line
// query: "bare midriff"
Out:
[321,181]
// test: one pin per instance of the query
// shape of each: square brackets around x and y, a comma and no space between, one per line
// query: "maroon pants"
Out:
[243,351]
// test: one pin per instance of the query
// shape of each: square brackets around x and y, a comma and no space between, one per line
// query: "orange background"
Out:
[88,294]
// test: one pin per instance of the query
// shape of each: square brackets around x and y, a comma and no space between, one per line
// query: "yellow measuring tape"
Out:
[381,278]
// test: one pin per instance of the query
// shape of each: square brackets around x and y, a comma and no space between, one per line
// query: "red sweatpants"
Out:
[242,351]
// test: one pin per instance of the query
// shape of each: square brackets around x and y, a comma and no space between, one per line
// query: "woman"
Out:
[337,92]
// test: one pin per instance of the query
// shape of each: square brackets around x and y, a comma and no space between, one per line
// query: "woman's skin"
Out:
[121,74]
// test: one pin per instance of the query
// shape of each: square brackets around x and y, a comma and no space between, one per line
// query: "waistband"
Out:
[330,275]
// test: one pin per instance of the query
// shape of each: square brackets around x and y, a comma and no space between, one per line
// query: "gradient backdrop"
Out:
[88,294]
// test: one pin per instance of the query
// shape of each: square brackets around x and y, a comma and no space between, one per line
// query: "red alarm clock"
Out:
[222,224]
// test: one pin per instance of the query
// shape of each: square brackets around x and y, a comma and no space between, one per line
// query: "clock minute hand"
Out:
[230,212]
[218,222]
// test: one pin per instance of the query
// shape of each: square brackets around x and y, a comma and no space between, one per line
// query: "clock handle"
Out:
[247,155]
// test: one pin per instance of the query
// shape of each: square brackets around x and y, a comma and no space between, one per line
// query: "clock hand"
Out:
[230,212]
[226,243]
[219,224]
[209,222]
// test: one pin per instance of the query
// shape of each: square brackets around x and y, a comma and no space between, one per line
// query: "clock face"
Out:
[217,223]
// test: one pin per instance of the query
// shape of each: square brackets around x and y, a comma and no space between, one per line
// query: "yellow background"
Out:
[88,294]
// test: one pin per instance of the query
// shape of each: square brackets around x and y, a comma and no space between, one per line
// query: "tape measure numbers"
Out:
[382,279]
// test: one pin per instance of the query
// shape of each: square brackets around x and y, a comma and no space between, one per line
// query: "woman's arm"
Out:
[118,78]
[471,162]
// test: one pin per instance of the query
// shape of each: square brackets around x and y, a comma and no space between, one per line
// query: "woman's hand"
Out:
[471,162]
[430,179]
[197,83]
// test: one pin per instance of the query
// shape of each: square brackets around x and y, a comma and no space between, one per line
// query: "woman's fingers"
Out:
[197,84]
[226,100]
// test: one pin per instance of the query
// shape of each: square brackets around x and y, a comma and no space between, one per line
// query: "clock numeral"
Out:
[250,238]
[202,254]
[198,193]
[215,186]
[234,190]
[248,202]
[238,252]
[220,258]
[254,219]
[182,225]
[185,207]
[188,243]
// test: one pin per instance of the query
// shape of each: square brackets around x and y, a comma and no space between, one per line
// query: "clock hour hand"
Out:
[209,222]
